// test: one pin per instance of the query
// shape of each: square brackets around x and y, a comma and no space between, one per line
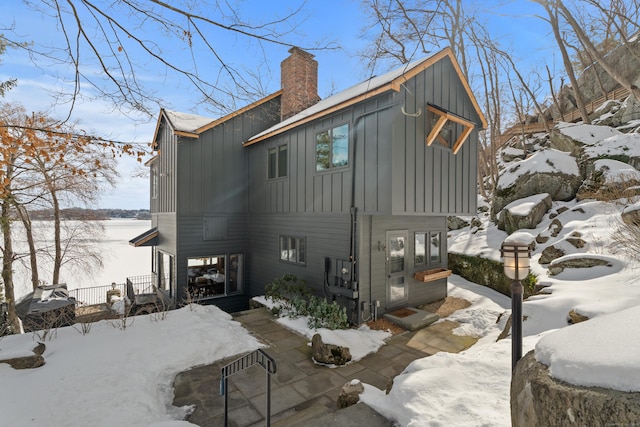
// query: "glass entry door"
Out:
[396,267]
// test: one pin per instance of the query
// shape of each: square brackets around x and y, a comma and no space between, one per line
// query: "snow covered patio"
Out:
[303,393]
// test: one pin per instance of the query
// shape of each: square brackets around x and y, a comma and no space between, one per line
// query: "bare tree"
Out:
[128,39]
[558,8]
[42,162]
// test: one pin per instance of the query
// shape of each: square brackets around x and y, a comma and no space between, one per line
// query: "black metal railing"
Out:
[98,294]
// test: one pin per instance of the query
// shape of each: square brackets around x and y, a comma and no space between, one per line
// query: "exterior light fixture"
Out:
[515,256]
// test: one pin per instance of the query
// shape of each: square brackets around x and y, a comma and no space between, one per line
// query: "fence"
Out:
[570,116]
[98,294]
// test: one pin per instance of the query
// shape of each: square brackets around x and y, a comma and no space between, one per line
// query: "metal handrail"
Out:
[258,357]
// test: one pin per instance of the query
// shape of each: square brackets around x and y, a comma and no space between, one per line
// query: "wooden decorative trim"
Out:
[394,85]
[431,275]
[238,112]
[444,117]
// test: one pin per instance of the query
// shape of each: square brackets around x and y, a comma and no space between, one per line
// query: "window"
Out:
[277,162]
[293,249]
[154,183]
[332,148]
[448,129]
[215,275]
[426,255]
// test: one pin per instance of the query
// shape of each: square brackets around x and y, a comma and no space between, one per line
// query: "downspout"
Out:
[353,208]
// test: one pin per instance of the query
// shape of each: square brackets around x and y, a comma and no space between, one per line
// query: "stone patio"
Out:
[303,393]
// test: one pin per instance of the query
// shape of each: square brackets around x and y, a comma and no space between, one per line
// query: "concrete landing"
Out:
[411,318]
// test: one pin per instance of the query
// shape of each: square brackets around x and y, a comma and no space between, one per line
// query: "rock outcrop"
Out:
[538,400]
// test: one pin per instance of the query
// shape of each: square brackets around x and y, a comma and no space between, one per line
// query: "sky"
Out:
[336,23]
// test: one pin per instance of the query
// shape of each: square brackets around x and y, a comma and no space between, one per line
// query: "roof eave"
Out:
[394,85]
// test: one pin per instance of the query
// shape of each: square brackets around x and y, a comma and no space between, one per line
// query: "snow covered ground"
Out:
[116,376]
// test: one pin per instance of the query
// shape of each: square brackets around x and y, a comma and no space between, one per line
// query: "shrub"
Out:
[489,273]
[323,314]
[296,300]
[288,290]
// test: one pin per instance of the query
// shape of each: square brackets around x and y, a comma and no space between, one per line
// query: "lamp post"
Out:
[515,257]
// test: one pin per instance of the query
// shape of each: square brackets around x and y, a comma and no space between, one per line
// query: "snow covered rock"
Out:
[631,214]
[524,213]
[547,171]
[539,400]
[571,137]
[558,265]
[610,179]
[456,223]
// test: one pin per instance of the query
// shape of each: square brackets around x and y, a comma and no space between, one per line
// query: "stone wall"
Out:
[537,400]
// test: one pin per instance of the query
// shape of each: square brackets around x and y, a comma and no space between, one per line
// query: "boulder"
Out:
[552,231]
[575,317]
[538,400]
[456,223]
[524,213]
[631,214]
[350,394]
[329,354]
[629,110]
[584,261]
[28,362]
[547,171]
[549,254]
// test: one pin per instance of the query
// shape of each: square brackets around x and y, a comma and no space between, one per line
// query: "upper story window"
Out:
[154,183]
[446,128]
[332,148]
[277,167]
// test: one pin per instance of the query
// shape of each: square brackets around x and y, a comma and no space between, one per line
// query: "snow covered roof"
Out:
[389,81]
[184,122]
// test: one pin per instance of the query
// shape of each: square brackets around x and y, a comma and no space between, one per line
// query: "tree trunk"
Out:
[590,48]
[7,266]
[553,20]
[33,259]
[57,261]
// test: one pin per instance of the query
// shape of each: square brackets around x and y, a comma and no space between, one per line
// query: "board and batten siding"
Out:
[165,167]
[396,173]
[372,258]
[432,180]
[305,190]
[326,236]
[213,167]
[193,244]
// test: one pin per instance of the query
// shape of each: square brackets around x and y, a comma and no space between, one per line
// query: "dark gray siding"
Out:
[326,236]
[432,180]
[212,195]
[395,171]
[306,190]
[372,258]
[213,168]
[166,168]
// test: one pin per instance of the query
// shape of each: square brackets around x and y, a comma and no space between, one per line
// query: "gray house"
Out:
[350,193]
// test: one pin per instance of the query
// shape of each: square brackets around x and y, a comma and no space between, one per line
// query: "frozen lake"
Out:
[120,259]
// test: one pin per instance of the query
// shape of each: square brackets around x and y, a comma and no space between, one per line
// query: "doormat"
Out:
[403,312]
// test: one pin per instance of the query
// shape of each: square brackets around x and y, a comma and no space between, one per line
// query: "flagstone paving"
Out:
[303,393]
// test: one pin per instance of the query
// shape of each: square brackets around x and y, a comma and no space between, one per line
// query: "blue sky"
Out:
[339,23]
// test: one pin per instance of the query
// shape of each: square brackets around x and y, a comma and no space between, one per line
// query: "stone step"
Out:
[411,318]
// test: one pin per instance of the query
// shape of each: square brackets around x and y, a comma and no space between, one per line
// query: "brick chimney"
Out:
[299,81]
